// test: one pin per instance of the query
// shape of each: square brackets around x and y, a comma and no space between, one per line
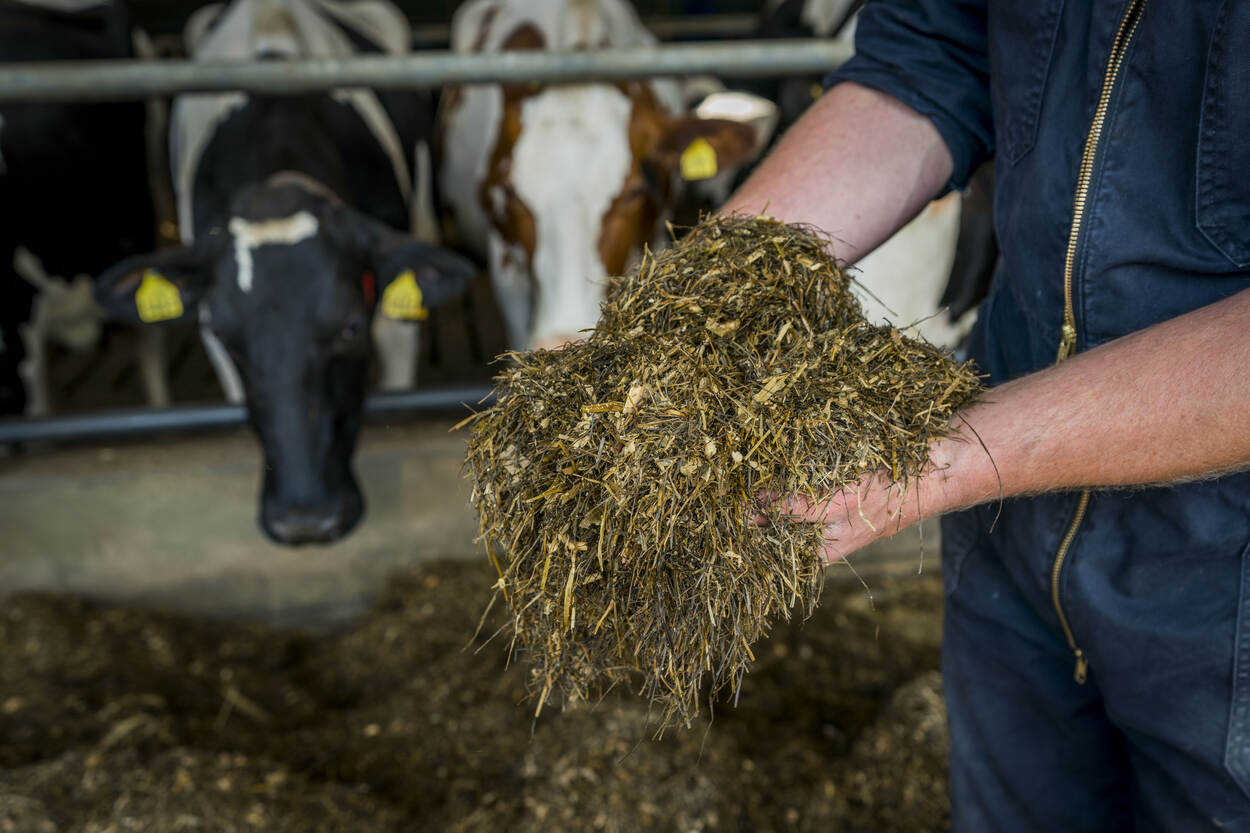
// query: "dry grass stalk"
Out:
[620,474]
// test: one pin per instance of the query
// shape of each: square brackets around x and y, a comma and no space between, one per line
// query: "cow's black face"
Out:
[287,289]
[287,303]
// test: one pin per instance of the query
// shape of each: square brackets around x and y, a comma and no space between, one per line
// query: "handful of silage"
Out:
[620,474]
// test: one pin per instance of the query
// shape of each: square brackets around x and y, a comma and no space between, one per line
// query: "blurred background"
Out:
[192,637]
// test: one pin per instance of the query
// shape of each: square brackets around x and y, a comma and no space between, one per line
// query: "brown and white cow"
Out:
[559,186]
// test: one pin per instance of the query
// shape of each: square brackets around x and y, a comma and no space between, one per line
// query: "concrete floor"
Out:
[172,523]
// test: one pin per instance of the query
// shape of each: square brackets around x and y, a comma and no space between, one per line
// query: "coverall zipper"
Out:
[1067,341]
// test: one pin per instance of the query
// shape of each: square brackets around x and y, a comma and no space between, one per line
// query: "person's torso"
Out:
[1163,225]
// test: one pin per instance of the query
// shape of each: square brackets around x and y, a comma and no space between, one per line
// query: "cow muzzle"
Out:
[296,524]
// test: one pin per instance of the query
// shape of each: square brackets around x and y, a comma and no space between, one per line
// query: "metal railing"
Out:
[444,400]
[117,80]
[113,80]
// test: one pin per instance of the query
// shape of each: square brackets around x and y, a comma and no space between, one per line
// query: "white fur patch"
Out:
[907,274]
[424,224]
[758,113]
[250,235]
[568,165]
[510,277]
[823,15]
[227,373]
[469,135]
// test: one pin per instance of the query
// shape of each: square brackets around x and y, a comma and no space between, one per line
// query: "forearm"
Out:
[1171,402]
[858,165]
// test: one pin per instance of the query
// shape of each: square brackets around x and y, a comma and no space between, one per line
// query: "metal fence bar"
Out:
[732,25]
[108,425]
[107,80]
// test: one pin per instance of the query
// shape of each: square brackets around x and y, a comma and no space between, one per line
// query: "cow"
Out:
[290,209]
[829,19]
[557,187]
[74,192]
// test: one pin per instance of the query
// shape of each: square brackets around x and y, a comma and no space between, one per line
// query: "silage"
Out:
[618,481]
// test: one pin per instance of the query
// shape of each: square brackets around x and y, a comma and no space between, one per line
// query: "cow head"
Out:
[579,180]
[289,288]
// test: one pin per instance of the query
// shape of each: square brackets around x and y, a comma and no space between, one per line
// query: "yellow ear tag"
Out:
[402,299]
[157,299]
[817,91]
[698,160]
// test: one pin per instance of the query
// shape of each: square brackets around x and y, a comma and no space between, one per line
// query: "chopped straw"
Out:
[622,475]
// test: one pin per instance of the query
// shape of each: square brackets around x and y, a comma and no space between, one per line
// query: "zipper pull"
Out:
[1082,666]
[1067,341]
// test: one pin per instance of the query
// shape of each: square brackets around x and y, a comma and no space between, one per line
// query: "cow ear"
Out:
[757,112]
[416,277]
[701,148]
[155,288]
[410,277]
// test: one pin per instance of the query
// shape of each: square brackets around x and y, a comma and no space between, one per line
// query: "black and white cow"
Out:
[929,277]
[74,194]
[289,208]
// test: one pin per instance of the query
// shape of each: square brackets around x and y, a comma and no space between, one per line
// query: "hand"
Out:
[876,508]
[858,515]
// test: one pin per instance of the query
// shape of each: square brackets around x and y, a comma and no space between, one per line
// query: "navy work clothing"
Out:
[1156,583]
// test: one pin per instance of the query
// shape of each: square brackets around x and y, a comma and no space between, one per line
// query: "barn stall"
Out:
[163,667]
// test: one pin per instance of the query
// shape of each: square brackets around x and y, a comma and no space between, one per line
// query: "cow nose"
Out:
[304,526]
[555,341]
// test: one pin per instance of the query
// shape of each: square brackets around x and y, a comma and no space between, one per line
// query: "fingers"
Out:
[832,551]
[797,507]
[831,548]
[848,521]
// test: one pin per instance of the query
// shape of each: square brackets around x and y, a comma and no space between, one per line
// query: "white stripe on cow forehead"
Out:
[249,234]
[568,165]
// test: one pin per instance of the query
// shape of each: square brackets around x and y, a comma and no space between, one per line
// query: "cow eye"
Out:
[350,333]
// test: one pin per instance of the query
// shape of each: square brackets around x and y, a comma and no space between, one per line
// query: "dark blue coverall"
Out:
[1096,648]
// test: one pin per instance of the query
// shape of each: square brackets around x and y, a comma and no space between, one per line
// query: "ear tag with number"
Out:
[157,299]
[698,160]
[402,299]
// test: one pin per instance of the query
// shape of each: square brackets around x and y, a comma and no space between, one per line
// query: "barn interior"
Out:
[164,666]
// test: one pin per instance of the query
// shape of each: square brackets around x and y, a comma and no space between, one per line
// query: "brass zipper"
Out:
[1067,340]
[1082,664]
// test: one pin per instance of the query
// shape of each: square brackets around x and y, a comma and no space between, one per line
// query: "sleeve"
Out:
[932,56]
